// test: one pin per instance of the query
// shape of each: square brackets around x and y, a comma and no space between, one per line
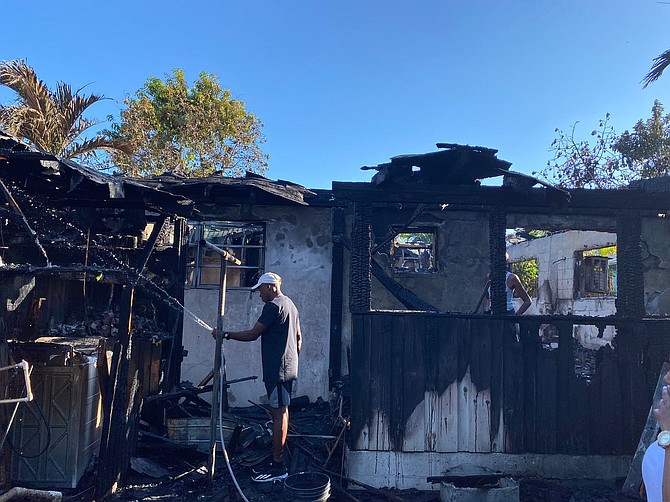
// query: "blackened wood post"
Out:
[115,445]
[361,245]
[336,296]
[630,280]
[176,317]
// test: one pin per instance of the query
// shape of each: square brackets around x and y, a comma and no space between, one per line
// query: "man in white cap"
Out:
[279,330]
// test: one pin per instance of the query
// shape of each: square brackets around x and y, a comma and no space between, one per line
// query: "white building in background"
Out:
[572,281]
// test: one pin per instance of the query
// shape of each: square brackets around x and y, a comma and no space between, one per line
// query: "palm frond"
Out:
[98,143]
[660,64]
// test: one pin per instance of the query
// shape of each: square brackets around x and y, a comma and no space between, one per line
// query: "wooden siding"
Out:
[445,383]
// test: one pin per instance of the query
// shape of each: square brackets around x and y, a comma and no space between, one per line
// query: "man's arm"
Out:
[248,335]
[514,283]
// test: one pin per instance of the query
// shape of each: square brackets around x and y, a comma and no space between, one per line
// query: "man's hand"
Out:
[214,332]
[662,410]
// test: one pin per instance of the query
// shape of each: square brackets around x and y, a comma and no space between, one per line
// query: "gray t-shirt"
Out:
[279,342]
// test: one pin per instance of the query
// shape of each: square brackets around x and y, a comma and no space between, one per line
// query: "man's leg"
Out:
[279,395]
[279,432]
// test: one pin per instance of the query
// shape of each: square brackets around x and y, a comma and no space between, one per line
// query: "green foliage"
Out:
[51,120]
[646,150]
[609,252]
[415,238]
[527,273]
[192,131]
[609,160]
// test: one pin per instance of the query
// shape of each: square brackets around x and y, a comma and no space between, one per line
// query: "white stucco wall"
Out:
[555,257]
[299,249]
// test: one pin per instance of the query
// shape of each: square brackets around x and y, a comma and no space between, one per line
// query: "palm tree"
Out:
[50,120]
[660,64]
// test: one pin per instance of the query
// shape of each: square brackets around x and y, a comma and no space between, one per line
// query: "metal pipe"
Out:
[219,357]
[26,379]
[221,252]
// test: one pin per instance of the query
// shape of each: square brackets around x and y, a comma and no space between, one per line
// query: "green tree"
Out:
[50,120]
[527,273]
[609,160]
[192,131]
[646,149]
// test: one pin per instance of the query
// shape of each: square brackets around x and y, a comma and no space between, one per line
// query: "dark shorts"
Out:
[279,393]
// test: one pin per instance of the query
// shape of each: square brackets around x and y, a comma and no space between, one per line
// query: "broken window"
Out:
[414,251]
[244,240]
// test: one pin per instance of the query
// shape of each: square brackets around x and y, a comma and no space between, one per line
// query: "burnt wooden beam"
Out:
[176,316]
[405,296]
[361,244]
[505,196]
[336,296]
[630,279]
[119,422]
[24,222]
[400,292]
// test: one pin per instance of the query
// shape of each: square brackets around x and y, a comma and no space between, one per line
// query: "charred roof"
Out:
[71,184]
[252,188]
[453,164]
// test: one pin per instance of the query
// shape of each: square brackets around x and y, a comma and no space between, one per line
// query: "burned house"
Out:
[388,277]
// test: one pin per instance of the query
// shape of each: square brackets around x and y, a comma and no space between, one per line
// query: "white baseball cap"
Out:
[267,278]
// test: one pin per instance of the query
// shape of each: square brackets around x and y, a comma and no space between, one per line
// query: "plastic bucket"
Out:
[307,487]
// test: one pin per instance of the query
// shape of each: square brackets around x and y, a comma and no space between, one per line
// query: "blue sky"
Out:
[342,84]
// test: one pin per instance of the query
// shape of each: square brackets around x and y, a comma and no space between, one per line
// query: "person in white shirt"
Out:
[656,461]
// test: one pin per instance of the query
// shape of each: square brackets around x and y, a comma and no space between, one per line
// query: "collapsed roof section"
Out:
[453,164]
[456,164]
[71,184]
[219,190]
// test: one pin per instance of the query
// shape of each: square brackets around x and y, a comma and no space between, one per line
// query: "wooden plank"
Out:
[396,369]
[565,366]
[546,371]
[513,395]
[634,479]
[414,383]
[381,351]
[579,413]
[531,345]
[497,355]
[361,381]
[480,364]
[446,402]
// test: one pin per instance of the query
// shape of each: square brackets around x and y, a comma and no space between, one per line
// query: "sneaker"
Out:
[273,472]
[263,465]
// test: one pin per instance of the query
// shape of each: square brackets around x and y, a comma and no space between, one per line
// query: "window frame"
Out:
[433,248]
[197,231]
